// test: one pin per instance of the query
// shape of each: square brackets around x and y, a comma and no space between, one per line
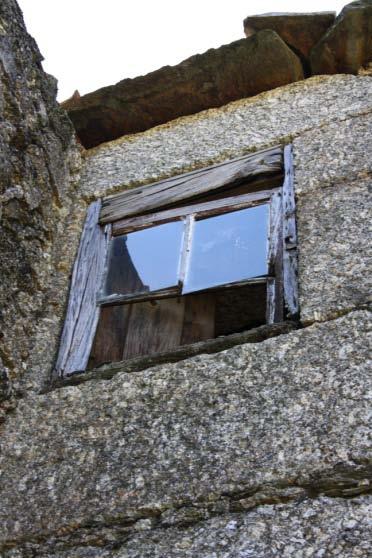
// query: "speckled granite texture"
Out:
[212,434]
[261,450]
[214,135]
[335,250]
[39,166]
[324,528]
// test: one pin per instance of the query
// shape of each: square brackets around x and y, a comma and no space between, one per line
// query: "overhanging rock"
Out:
[240,69]
[300,31]
[347,46]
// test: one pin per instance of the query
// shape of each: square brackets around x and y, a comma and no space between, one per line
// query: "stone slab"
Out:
[212,79]
[347,45]
[335,249]
[301,31]
[216,135]
[290,413]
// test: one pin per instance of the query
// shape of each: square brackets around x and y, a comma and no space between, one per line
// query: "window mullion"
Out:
[186,249]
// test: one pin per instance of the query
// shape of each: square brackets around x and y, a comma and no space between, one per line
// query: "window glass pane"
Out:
[228,248]
[145,260]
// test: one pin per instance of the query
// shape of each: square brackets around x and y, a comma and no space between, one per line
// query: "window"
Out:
[205,254]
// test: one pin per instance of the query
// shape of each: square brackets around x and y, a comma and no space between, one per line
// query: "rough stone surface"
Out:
[241,69]
[323,528]
[335,252]
[347,46]
[215,135]
[38,161]
[300,31]
[234,454]
[336,153]
[216,433]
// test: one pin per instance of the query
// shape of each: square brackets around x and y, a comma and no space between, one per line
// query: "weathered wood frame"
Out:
[134,210]
[189,214]
[82,311]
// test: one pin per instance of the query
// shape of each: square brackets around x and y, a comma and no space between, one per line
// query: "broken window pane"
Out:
[144,261]
[228,248]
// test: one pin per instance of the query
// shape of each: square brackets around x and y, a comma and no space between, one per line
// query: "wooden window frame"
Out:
[174,199]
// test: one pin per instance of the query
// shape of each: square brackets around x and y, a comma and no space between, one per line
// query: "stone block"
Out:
[347,45]
[240,69]
[300,31]
[335,252]
[288,413]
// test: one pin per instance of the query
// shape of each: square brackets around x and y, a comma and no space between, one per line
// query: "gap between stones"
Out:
[184,515]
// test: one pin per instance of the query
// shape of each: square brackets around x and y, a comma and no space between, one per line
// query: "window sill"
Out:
[109,370]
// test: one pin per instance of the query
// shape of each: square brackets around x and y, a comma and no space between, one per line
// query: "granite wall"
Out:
[259,450]
[39,166]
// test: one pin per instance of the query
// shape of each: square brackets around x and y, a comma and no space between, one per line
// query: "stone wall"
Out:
[259,450]
[39,162]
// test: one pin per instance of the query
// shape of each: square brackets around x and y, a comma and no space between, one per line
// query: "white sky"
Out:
[88,44]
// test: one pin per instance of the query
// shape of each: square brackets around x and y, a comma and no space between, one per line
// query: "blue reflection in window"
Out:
[146,260]
[228,248]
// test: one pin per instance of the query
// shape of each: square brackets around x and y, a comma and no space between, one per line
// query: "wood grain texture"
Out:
[199,320]
[201,209]
[82,310]
[191,185]
[274,312]
[154,327]
[110,335]
[290,253]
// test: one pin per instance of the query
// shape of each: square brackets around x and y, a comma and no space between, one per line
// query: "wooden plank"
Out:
[290,253]
[274,312]
[138,297]
[167,192]
[215,207]
[198,323]
[110,335]
[82,311]
[154,327]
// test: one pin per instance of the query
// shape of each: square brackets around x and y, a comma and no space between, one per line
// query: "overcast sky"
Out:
[88,44]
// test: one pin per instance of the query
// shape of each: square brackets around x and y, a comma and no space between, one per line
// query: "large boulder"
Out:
[38,156]
[300,31]
[240,69]
[347,46]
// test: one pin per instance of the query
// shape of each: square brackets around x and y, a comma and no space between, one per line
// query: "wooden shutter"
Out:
[82,310]
[290,256]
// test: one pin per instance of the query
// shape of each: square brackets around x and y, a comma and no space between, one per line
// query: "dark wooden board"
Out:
[154,327]
[187,186]
[110,335]
[290,255]
[82,310]
[199,319]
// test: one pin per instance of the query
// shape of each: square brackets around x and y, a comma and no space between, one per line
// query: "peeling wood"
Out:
[202,209]
[274,311]
[290,255]
[144,199]
[82,311]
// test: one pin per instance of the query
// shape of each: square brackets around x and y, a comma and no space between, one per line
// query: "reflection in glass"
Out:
[228,248]
[145,260]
